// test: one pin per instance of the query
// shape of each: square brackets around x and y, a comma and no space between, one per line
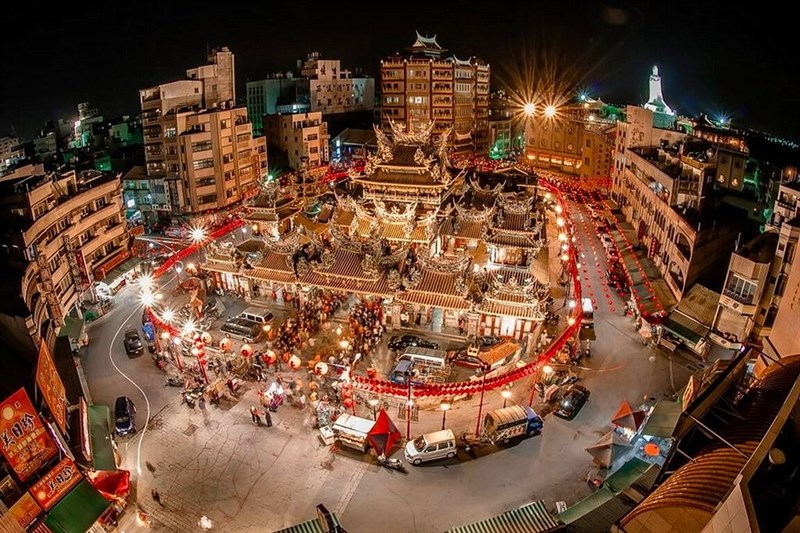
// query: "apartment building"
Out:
[662,181]
[61,231]
[200,155]
[577,140]
[425,84]
[302,136]
[320,85]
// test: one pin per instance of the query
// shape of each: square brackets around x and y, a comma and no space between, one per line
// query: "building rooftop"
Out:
[761,249]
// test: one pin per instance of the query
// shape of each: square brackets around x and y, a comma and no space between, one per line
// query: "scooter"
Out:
[174,381]
[392,463]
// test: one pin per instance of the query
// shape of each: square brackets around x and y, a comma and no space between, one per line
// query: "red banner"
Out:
[56,483]
[81,261]
[24,442]
[51,387]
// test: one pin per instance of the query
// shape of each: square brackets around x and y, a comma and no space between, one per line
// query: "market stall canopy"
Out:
[626,417]
[383,435]
[608,448]
[77,511]
[112,485]
[530,518]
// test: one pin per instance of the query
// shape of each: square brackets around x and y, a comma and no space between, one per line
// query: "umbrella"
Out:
[383,434]
[608,448]
[112,484]
[626,417]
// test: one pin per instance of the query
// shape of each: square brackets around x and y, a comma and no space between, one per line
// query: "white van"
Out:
[587,311]
[431,446]
[424,358]
[257,314]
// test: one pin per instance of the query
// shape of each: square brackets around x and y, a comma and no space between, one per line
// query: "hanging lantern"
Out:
[198,343]
[225,344]
[321,368]
[294,362]
[195,351]
[348,402]
[313,386]
[206,337]
[246,350]
[345,393]
[271,357]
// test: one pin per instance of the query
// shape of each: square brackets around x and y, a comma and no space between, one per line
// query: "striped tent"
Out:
[529,518]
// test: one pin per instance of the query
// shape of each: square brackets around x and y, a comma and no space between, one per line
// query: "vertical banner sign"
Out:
[25,443]
[56,483]
[25,510]
[86,439]
[51,387]
[86,282]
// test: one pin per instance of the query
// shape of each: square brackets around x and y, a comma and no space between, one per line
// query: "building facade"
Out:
[578,140]
[200,151]
[425,85]
[303,136]
[321,86]
[64,230]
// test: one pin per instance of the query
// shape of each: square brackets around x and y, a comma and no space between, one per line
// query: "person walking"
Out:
[268,418]
[156,497]
[254,415]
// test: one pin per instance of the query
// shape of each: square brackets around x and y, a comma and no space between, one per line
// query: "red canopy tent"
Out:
[626,417]
[383,435]
[113,485]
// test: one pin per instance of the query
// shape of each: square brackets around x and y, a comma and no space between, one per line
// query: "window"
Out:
[740,289]
[224,124]
[780,284]
[588,143]
[99,203]
[207,199]
[199,147]
[170,132]
[203,163]
[204,182]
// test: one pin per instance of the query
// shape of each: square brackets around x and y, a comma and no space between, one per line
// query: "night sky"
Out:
[713,57]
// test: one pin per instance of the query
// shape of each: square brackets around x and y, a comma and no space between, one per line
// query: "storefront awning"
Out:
[100,431]
[72,328]
[663,419]
[530,518]
[78,510]
[312,526]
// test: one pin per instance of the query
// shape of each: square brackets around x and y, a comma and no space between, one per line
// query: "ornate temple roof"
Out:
[514,293]
[426,42]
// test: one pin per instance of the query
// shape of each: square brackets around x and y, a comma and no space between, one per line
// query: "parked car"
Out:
[124,410]
[176,232]
[400,343]
[608,242]
[133,343]
[571,402]
[464,358]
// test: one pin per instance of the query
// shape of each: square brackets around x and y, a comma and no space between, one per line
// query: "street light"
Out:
[148,299]
[444,405]
[485,369]
[373,402]
[529,109]
[506,394]
[550,111]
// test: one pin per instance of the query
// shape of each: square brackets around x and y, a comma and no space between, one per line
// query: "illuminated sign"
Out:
[25,443]
[56,483]
[51,386]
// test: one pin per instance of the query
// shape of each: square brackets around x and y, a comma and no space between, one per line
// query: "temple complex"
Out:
[441,248]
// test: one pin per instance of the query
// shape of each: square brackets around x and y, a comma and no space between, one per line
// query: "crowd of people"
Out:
[366,325]
[295,332]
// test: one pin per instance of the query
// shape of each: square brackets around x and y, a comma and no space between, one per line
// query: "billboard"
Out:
[51,387]
[25,510]
[56,483]
[25,443]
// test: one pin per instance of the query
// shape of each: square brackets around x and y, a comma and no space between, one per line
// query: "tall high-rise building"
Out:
[199,148]
[303,136]
[426,84]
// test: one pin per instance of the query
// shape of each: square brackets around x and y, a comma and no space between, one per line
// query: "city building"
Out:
[354,145]
[321,85]
[62,230]
[663,182]
[426,85]
[575,139]
[200,155]
[504,137]
[731,466]
[303,137]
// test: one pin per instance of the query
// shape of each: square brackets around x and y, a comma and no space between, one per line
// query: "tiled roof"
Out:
[511,240]
[442,301]
[394,232]
[403,156]
[501,308]
[514,222]
[436,289]
[343,217]
[466,230]
[384,175]
[275,261]
[498,352]
[213,266]
[377,287]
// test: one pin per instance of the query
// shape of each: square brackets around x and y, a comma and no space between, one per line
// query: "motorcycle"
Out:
[392,463]
[173,381]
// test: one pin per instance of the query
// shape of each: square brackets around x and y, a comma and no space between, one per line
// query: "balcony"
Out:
[101,238]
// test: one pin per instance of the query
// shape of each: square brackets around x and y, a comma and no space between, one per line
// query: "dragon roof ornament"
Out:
[473,215]
[513,205]
[496,190]
[393,214]
[401,134]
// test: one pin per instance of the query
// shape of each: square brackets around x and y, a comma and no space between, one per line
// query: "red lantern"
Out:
[225,344]
[348,402]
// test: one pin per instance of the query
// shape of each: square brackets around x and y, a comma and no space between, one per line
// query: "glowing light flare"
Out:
[550,111]
[189,327]
[146,283]
[565,257]
[559,209]
[148,299]
[198,234]
[168,315]
[560,222]
[562,237]
[571,321]
[529,108]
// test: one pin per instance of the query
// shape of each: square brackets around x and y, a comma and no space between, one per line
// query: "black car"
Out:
[402,342]
[133,343]
[571,401]
[123,416]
